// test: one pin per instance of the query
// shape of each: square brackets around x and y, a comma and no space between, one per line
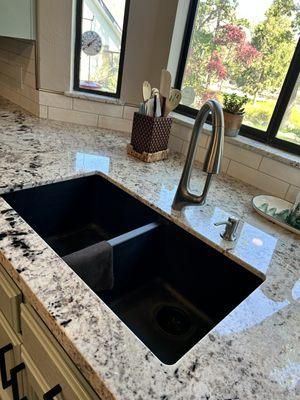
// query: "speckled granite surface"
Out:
[254,353]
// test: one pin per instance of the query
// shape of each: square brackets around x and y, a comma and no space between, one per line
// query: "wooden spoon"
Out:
[165,86]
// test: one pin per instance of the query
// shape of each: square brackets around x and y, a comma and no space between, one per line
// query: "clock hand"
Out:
[90,43]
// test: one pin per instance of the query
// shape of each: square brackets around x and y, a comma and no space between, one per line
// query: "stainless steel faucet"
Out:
[212,163]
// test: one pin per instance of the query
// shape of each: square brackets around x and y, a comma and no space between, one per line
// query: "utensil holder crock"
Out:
[150,136]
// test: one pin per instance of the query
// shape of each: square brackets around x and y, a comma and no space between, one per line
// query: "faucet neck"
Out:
[212,163]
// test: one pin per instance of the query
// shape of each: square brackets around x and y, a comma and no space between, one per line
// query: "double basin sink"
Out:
[169,287]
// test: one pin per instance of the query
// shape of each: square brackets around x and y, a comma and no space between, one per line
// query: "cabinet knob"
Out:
[4,381]
[52,393]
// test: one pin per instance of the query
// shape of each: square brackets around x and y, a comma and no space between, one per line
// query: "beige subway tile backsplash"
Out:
[181,131]
[30,93]
[10,94]
[256,178]
[175,144]
[243,156]
[43,111]
[55,100]
[29,79]
[13,72]
[118,124]
[292,193]
[129,112]
[111,110]
[29,105]
[284,172]
[225,164]
[76,117]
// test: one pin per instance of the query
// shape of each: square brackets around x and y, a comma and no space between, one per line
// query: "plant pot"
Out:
[233,123]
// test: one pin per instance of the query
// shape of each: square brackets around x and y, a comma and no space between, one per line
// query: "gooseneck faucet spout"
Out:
[212,163]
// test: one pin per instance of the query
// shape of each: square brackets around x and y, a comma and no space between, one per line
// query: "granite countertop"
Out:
[254,353]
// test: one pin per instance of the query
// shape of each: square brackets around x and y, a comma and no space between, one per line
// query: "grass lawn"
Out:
[259,114]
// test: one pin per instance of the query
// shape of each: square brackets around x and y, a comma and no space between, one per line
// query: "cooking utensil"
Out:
[172,102]
[150,107]
[165,86]
[157,105]
[146,91]
[142,108]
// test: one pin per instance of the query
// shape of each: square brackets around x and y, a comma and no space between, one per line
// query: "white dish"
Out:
[274,209]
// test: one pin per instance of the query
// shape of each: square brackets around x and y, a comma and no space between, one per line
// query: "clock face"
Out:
[91,43]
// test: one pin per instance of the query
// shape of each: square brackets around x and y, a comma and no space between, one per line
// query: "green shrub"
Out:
[259,114]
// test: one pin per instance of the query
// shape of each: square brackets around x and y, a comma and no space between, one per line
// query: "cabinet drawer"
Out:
[51,360]
[34,383]
[10,299]
[12,357]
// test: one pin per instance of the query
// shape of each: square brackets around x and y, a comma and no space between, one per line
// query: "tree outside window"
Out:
[245,47]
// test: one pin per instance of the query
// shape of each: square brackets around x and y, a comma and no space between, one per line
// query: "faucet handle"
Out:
[231,226]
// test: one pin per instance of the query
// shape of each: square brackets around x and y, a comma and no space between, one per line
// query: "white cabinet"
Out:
[17,19]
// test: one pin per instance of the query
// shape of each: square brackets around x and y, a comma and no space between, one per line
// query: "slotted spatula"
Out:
[172,102]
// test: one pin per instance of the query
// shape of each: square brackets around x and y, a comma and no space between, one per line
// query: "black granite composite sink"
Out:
[169,287]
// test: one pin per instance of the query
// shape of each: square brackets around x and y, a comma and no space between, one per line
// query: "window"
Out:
[99,46]
[250,48]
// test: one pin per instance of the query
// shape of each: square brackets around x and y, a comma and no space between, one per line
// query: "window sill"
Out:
[93,97]
[246,143]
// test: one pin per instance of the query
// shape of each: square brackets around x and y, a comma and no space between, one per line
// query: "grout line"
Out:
[61,108]
[287,192]
[226,169]
[123,112]
[262,157]
[264,173]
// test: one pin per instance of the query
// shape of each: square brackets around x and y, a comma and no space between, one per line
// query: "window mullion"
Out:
[186,42]
[285,95]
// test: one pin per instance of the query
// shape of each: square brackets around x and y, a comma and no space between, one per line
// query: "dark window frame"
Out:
[78,33]
[268,136]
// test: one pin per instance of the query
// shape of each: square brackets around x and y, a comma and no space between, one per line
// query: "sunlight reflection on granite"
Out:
[256,309]
[296,291]
[256,247]
[287,376]
[91,162]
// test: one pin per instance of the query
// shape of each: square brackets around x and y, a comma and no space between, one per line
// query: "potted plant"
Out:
[233,113]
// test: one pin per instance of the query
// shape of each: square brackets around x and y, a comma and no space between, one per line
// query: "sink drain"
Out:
[173,320]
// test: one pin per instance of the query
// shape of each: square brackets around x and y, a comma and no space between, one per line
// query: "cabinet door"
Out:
[17,19]
[12,357]
[34,383]
[51,360]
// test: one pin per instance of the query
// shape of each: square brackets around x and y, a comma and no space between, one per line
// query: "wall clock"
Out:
[91,43]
